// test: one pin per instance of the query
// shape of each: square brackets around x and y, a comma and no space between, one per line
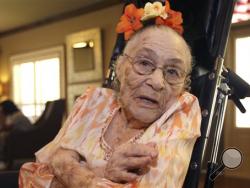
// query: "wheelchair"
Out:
[206,30]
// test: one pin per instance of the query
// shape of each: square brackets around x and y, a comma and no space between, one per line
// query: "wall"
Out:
[54,34]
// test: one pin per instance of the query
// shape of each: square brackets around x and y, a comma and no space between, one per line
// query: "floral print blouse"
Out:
[175,133]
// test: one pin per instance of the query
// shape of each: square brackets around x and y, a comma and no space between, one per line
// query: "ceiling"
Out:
[16,15]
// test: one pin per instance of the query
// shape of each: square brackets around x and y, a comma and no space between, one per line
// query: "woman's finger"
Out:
[125,177]
[140,150]
[136,162]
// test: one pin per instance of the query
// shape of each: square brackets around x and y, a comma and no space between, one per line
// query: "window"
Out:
[37,78]
[242,46]
[241,11]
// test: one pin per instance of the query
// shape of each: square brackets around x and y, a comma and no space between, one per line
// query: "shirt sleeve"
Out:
[35,175]
[47,151]
[39,174]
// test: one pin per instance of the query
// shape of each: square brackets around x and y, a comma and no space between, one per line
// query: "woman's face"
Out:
[146,97]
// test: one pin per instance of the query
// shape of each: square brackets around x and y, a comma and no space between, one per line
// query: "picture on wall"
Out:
[84,56]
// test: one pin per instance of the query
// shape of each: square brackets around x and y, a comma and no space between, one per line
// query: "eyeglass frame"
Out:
[132,62]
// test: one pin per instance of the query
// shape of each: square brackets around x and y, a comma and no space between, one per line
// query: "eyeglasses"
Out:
[144,66]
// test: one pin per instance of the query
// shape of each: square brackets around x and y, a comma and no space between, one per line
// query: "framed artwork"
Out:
[76,90]
[84,56]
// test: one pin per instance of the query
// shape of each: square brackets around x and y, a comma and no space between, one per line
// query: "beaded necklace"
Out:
[104,145]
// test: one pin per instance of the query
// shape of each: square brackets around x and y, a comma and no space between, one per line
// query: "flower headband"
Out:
[133,18]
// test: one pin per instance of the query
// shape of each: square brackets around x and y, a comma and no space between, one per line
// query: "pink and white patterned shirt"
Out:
[175,133]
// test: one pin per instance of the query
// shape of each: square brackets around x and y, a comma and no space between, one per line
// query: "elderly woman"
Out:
[141,136]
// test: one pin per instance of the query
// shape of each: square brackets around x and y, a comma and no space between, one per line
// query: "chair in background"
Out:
[9,179]
[23,144]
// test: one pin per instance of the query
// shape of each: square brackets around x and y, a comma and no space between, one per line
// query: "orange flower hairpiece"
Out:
[133,18]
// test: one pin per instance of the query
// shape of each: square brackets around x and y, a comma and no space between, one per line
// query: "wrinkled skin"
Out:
[70,171]
[163,49]
[129,161]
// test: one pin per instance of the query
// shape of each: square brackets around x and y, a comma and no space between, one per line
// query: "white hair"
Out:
[133,41]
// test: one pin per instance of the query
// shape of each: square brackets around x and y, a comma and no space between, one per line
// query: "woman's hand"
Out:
[129,160]
[70,171]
